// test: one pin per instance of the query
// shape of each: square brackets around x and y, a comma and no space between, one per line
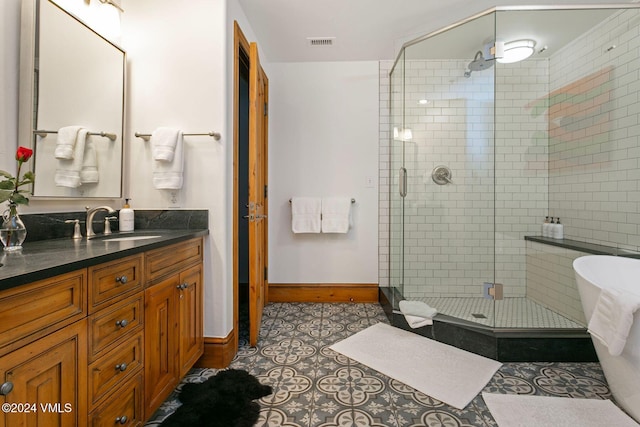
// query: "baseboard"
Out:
[323,292]
[218,352]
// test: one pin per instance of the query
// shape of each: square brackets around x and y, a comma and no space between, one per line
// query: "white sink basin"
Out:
[130,238]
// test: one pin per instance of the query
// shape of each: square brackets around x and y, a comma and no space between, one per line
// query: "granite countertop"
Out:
[47,258]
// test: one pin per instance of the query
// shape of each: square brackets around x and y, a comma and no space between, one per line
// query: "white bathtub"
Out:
[594,272]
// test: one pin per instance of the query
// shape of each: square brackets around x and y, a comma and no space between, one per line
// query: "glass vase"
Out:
[13,231]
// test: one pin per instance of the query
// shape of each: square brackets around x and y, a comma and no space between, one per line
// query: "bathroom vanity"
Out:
[99,332]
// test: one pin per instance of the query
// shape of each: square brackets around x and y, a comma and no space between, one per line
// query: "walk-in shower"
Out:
[553,134]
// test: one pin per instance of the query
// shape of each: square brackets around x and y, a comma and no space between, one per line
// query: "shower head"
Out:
[478,64]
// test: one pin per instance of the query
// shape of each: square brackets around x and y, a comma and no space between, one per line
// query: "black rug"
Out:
[224,400]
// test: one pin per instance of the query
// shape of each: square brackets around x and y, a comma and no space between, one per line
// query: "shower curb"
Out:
[504,345]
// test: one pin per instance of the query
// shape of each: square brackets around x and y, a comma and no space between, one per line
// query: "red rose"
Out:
[23,154]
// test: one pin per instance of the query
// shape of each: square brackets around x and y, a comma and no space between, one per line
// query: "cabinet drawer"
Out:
[123,407]
[113,280]
[41,307]
[171,259]
[115,368]
[113,324]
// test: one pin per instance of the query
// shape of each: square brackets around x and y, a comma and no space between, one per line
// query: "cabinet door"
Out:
[50,376]
[161,355]
[191,340]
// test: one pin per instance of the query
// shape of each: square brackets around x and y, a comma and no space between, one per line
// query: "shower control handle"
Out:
[402,182]
[441,175]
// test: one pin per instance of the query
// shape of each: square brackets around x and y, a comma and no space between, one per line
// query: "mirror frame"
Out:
[27,91]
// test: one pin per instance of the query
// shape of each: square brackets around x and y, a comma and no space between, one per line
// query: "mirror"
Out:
[70,77]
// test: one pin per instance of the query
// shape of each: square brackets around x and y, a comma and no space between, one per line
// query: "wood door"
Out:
[258,98]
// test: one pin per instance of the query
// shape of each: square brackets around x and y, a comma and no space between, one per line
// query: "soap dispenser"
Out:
[126,217]
[558,230]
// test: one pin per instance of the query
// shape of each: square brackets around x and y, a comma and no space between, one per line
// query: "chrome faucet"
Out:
[91,212]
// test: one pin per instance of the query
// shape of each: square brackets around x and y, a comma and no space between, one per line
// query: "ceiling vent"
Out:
[321,41]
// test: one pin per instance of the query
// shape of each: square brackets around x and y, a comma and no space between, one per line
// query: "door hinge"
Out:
[266,109]
[492,291]
[266,191]
[266,273]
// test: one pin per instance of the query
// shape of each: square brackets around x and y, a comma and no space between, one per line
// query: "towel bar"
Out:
[215,135]
[352,200]
[43,134]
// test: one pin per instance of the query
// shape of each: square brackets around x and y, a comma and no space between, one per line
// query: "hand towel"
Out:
[89,172]
[612,318]
[305,214]
[163,144]
[168,175]
[66,141]
[68,171]
[336,212]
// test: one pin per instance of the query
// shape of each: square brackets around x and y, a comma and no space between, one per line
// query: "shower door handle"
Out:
[402,182]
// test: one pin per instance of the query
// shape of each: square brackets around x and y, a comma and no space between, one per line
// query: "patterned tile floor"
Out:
[314,386]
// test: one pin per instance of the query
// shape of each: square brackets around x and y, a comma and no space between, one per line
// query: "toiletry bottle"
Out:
[545,227]
[126,217]
[558,230]
[546,231]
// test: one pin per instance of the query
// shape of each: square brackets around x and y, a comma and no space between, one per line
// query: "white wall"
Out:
[323,142]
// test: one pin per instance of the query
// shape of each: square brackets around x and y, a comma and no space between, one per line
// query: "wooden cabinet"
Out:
[49,376]
[173,318]
[103,345]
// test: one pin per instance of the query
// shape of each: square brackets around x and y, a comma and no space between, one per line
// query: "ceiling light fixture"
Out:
[516,51]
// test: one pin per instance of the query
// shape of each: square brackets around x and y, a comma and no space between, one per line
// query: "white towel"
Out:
[417,322]
[164,143]
[305,214]
[66,141]
[417,313]
[612,318]
[68,171]
[336,212]
[168,175]
[89,172]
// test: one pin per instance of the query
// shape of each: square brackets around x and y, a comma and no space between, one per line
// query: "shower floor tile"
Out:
[315,387]
[509,312]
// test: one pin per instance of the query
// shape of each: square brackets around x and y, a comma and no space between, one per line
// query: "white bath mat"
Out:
[441,371]
[512,410]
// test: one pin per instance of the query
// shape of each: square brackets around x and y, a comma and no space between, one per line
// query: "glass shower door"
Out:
[443,160]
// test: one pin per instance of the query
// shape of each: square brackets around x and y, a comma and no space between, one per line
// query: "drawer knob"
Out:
[183,286]
[121,420]
[122,279]
[6,388]
[122,323]
[121,367]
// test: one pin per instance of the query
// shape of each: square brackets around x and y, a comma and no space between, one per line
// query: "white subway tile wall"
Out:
[551,280]
[594,134]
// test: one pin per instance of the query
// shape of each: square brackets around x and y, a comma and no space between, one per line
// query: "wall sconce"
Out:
[402,134]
